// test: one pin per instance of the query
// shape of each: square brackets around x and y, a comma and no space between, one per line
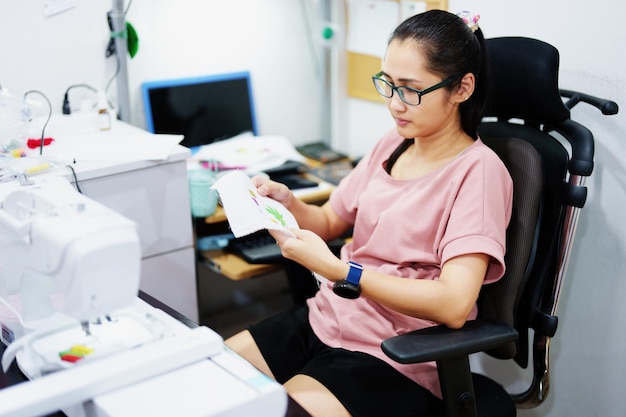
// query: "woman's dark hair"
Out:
[451,49]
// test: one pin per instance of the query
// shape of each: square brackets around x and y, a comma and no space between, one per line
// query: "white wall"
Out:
[270,38]
[177,38]
[51,54]
[589,350]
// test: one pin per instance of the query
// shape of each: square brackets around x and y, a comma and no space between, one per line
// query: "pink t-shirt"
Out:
[410,228]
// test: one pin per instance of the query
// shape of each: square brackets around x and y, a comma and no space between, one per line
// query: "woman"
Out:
[429,206]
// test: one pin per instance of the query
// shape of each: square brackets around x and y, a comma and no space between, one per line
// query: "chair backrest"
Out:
[526,123]
[499,301]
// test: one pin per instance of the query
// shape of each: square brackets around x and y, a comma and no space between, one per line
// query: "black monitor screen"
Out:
[204,109]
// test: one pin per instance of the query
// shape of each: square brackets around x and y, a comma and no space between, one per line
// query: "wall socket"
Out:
[52,7]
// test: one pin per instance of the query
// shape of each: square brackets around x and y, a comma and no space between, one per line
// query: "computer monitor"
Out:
[203,109]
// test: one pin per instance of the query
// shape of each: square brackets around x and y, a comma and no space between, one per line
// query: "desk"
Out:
[14,376]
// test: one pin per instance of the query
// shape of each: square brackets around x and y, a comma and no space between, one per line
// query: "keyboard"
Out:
[257,248]
[261,248]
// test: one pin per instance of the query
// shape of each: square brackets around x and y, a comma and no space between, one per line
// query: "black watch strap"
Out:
[349,287]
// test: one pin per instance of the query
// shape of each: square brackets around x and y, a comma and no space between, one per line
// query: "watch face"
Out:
[346,290]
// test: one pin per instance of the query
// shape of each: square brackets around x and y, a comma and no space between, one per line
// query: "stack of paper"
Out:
[253,154]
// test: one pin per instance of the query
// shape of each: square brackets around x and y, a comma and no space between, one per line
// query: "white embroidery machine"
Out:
[69,277]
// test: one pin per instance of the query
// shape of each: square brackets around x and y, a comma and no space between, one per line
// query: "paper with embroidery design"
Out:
[246,210]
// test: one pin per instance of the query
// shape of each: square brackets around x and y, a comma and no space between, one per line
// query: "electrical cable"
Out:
[71,168]
[66,101]
[117,71]
[311,42]
[111,51]
[43,129]
[128,7]
[130,35]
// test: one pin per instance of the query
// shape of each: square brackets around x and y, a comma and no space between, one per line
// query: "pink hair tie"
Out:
[470,20]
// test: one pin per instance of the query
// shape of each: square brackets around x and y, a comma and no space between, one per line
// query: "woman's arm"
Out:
[448,300]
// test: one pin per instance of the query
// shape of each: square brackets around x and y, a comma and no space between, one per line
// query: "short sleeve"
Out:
[480,214]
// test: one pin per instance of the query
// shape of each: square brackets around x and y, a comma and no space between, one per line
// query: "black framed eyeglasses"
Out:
[408,95]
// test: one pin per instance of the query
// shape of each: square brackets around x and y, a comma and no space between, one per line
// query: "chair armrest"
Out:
[441,342]
[607,107]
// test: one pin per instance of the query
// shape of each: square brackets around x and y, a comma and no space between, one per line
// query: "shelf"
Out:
[234,267]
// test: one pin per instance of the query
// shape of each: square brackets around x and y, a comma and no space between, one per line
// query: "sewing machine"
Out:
[71,319]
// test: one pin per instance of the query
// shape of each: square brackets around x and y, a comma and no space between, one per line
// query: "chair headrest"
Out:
[523,80]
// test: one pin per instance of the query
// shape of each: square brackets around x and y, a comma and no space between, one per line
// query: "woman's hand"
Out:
[274,190]
[322,220]
[312,252]
[318,224]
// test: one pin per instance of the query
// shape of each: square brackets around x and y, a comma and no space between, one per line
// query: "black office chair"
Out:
[527,121]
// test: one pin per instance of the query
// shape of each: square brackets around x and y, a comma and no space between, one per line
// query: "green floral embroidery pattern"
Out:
[277,215]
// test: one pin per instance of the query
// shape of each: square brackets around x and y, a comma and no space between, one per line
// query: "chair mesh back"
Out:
[499,301]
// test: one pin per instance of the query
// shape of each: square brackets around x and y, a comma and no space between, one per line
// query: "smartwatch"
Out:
[349,287]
